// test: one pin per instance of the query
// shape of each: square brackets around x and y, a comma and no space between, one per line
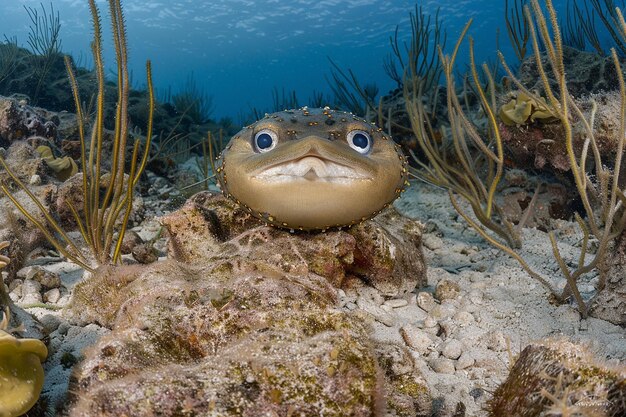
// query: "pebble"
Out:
[48,280]
[415,338]
[443,311]
[452,349]
[425,301]
[447,290]
[442,365]
[463,318]
[396,303]
[50,322]
[35,179]
[31,292]
[431,241]
[448,326]
[26,272]
[496,341]
[465,361]
[63,328]
[16,286]
[52,296]
[430,321]
[377,312]
[370,293]
[476,297]
[144,253]
[387,308]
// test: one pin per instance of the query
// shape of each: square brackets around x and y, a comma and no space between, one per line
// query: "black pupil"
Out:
[360,140]
[264,141]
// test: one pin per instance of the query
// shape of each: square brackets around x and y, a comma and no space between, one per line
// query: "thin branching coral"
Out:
[471,164]
[101,213]
[517,27]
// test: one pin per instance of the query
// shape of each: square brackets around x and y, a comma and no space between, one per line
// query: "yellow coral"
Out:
[21,373]
[523,109]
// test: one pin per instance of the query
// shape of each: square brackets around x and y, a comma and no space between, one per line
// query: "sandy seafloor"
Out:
[499,310]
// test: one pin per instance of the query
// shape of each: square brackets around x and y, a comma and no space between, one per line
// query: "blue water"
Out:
[239,50]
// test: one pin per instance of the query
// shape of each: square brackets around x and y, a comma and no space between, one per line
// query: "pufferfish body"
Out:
[312,169]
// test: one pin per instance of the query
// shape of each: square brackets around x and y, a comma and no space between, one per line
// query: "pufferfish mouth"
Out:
[311,168]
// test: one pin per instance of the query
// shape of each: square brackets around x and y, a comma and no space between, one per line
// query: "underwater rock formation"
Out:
[244,321]
[557,377]
[19,120]
[590,79]
[385,252]
[540,145]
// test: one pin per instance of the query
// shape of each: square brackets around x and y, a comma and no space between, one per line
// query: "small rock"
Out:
[387,308]
[476,297]
[15,284]
[452,349]
[463,318]
[465,361]
[448,327]
[442,365]
[431,241]
[35,179]
[447,290]
[370,293]
[145,253]
[52,296]
[30,287]
[430,321]
[27,272]
[47,279]
[415,338]
[29,299]
[443,311]
[425,301]
[396,303]
[496,341]
[376,311]
[50,322]
[131,239]
[63,328]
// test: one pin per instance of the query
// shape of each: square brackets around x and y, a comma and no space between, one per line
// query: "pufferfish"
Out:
[312,169]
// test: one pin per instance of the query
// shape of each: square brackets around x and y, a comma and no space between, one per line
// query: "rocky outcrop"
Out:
[244,320]
[557,377]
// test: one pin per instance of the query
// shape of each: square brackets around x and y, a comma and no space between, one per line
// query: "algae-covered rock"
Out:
[244,321]
[557,377]
[19,120]
[385,252]
[224,339]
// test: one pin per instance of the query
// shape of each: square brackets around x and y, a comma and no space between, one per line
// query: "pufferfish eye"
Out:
[265,140]
[360,141]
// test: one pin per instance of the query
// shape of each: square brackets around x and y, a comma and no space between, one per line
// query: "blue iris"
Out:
[264,141]
[360,141]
